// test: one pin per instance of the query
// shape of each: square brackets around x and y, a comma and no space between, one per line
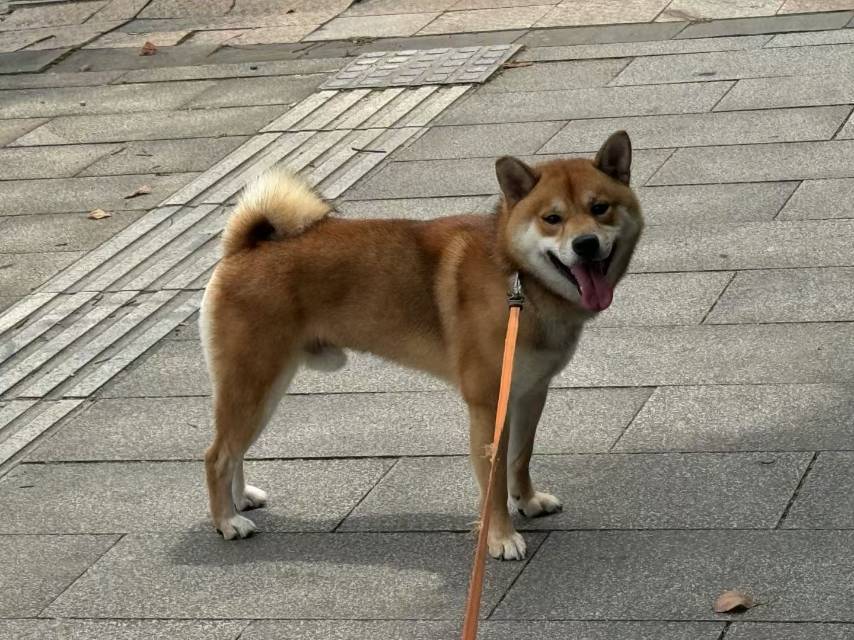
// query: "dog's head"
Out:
[572,224]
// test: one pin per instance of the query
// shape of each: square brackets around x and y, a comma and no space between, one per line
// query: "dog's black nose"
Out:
[586,246]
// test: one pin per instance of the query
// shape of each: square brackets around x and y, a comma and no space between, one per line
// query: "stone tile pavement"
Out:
[99,25]
[701,440]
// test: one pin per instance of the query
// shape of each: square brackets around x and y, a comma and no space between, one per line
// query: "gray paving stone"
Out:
[826,499]
[758,163]
[801,575]
[633,49]
[36,569]
[487,140]
[240,92]
[235,70]
[790,631]
[173,8]
[835,36]
[47,80]
[12,129]
[129,58]
[789,295]
[417,576]
[7,301]
[734,65]
[489,630]
[415,208]
[159,125]
[602,35]
[712,354]
[50,15]
[749,245]
[820,199]
[59,231]
[20,273]
[49,162]
[744,418]
[259,52]
[84,194]
[336,425]
[126,98]
[29,61]
[466,176]
[120,629]
[770,24]
[649,299]
[694,130]
[710,203]
[164,156]
[170,496]
[481,108]
[671,491]
[795,91]
[555,75]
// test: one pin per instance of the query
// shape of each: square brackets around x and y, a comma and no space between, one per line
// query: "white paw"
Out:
[507,547]
[253,498]
[540,504]
[237,527]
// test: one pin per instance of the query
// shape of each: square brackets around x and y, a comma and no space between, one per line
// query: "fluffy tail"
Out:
[276,205]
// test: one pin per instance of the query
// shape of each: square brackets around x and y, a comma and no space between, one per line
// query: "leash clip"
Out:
[515,297]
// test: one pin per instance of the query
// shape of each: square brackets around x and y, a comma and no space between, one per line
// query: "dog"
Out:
[297,286]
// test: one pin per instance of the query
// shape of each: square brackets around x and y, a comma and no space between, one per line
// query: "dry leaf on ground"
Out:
[148,49]
[141,191]
[733,602]
[98,214]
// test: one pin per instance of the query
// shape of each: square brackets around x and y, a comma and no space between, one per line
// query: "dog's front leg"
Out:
[504,541]
[525,412]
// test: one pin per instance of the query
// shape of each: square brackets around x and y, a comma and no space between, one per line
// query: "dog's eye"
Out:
[552,218]
[599,208]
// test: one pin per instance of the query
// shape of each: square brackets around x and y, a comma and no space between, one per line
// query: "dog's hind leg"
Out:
[250,372]
[245,398]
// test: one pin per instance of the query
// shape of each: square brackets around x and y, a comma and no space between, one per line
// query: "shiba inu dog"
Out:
[296,286]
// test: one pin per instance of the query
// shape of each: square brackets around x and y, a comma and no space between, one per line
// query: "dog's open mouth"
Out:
[590,280]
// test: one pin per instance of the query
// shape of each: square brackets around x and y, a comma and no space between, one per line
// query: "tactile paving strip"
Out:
[82,327]
[411,68]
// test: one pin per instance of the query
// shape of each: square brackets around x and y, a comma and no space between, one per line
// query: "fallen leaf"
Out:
[733,602]
[515,65]
[98,214]
[141,191]
[148,49]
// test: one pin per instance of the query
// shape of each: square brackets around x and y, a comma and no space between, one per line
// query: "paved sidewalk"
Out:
[702,439]
[44,32]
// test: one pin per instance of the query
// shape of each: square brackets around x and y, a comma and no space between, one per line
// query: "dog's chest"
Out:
[541,359]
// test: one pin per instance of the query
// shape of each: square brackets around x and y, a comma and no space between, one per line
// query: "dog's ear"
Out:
[515,177]
[615,157]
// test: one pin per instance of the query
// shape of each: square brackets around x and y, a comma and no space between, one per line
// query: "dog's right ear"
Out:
[515,177]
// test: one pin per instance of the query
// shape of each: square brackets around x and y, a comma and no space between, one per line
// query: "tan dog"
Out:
[296,287]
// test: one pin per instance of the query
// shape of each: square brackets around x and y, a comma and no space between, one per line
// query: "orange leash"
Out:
[515,300]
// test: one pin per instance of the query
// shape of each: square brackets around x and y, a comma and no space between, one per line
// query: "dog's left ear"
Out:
[515,177]
[615,157]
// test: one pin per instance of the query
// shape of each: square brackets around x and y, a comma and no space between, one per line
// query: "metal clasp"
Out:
[515,297]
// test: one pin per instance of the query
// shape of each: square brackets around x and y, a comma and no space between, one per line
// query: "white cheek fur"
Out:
[531,247]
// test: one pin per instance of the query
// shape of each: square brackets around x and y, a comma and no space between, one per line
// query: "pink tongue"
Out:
[596,291]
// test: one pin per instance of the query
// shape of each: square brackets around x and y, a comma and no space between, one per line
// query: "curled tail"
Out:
[276,205]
